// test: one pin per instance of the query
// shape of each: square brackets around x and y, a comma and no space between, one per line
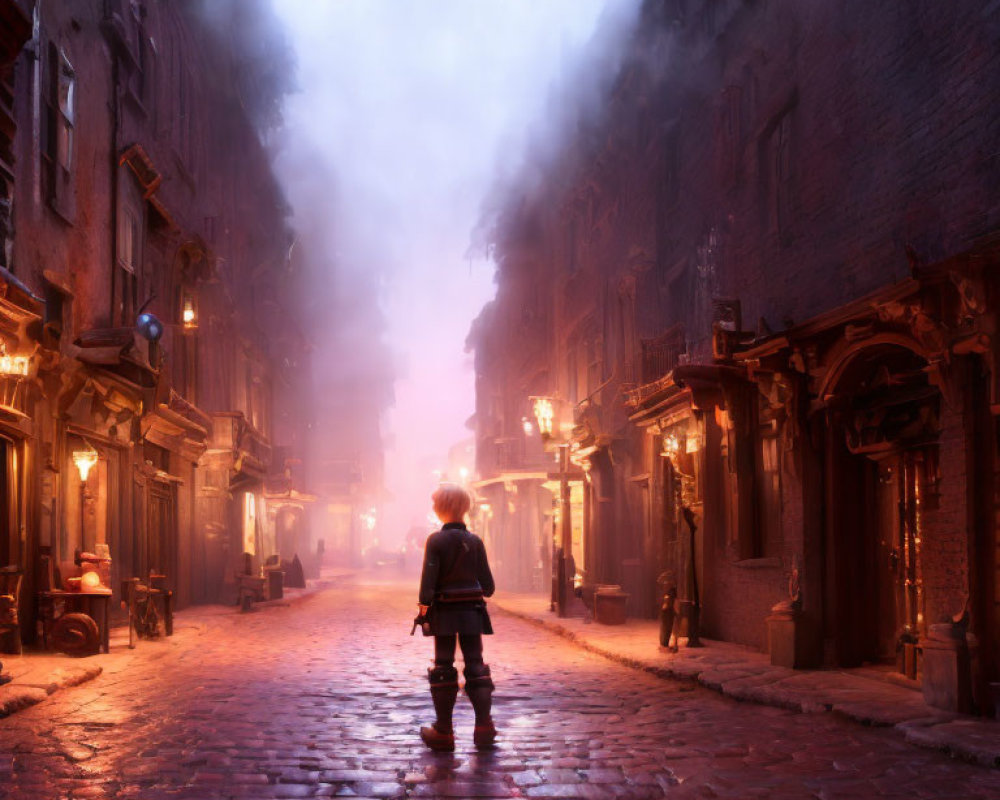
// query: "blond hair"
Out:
[452,501]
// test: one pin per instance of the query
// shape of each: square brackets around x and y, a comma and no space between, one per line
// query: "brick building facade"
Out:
[757,284]
[147,301]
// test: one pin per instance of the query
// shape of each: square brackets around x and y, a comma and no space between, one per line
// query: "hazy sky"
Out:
[414,105]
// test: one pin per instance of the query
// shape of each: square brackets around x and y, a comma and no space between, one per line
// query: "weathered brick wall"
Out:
[893,142]
[77,246]
[796,157]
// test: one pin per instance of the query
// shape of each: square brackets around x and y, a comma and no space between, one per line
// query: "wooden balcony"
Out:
[250,449]
[505,455]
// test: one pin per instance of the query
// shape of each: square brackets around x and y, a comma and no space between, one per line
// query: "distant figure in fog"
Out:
[455,580]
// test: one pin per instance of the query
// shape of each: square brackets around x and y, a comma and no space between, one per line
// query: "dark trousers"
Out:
[472,651]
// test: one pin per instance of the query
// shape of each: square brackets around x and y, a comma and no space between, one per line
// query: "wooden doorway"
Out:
[882,429]
[160,545]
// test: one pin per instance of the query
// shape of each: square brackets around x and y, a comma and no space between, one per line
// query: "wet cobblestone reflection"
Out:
[324,698]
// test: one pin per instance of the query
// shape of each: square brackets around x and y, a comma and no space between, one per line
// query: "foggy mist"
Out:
[405,113]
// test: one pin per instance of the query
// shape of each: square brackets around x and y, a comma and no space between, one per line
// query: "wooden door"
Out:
[888,566]
[160,554]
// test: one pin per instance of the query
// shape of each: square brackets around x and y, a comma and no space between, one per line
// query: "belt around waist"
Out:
[466,596]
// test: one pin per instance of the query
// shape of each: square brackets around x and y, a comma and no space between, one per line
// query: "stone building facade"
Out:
[757,284]
[146,300]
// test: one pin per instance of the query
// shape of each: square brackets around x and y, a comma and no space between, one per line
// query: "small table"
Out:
[94,604]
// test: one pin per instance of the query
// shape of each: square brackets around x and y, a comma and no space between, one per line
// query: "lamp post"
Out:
[84,461]
[566,525]
[544,411]
[672,450]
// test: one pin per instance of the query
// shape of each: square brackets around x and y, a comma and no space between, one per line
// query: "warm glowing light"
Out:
[85,461]
[250,523]
[527,426]
[692,445]
[463,473]
[545,414]
[671,445]
[188,315]
[90,581]
[369,518]
[14,365]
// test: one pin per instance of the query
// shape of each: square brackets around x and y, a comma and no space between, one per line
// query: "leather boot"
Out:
[479,687]
[444,690]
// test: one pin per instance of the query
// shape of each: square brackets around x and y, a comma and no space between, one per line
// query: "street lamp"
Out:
[85,460]
[544,414]
[189,314]
[672,450]
[544,410]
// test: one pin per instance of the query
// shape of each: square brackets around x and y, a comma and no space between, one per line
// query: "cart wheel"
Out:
[75,635]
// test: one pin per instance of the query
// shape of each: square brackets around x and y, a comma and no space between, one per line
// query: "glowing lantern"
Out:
[85,461]
[544,413]
[90,582]
[189,316]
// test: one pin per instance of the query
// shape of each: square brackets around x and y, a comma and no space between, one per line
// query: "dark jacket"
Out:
[455,565]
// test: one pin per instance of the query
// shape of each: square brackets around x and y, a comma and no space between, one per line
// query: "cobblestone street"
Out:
[324,697]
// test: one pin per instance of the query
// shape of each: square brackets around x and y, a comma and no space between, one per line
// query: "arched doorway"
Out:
[882,424]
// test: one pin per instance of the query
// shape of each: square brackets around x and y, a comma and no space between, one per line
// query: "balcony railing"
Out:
[510,455]
[657,359]
[662,354]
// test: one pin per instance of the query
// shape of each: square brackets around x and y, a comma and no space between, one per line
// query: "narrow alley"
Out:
[323,697]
